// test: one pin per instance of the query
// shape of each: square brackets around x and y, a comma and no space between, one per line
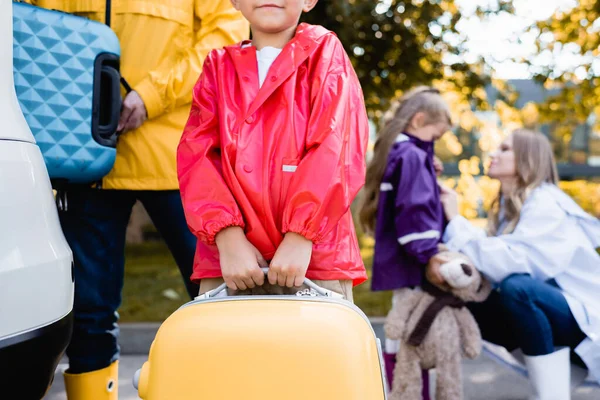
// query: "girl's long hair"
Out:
[423,99]
[535,165]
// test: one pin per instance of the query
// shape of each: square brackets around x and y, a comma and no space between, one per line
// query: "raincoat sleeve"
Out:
[416,219]
[208,203]
[166,88]
[332,170]
[539,246]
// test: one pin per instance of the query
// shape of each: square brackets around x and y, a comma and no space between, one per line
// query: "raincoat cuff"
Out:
[302,231]
[151,98]
[426,255]
[212,230]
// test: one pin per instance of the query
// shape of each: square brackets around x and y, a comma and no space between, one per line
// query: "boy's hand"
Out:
[289,265]
[240,260]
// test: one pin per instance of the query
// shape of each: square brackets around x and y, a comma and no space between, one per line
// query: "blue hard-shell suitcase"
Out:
[66,71]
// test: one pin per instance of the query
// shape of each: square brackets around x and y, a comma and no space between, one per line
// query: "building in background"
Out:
[577,153]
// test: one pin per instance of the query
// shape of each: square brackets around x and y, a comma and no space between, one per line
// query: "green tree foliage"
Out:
[568,57]
[395,45]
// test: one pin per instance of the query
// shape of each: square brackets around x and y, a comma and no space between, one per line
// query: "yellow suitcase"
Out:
[310,346]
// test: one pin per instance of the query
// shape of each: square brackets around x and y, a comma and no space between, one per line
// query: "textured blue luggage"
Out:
[66,71]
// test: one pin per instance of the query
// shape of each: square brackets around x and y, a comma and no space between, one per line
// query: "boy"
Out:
[272,156]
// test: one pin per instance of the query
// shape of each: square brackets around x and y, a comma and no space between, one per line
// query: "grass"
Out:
[154,288]
[372,303]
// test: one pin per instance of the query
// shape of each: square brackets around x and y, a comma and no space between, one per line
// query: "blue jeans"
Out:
[528,314]
[94,225]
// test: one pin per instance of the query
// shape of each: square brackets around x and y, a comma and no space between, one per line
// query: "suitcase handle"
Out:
[313,286]
[111,83]
[107,99]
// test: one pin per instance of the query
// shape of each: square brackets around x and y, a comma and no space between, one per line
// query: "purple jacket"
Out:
[410,217]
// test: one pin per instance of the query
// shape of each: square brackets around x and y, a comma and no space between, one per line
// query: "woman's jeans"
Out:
[94,225]
[528,314]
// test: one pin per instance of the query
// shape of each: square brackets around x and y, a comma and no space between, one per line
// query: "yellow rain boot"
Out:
[101,384]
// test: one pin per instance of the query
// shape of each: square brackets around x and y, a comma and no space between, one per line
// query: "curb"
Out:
[135,338]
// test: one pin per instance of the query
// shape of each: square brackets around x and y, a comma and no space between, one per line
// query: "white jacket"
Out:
[554,238]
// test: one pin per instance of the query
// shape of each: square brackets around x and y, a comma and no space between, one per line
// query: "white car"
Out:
[36,277]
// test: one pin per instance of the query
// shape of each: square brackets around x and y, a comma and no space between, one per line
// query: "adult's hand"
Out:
[449,200]
[133,113]
[438,166]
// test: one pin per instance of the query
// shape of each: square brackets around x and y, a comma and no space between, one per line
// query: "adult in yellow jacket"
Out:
[163,46]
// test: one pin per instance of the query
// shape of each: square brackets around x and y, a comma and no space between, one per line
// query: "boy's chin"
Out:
[271,29]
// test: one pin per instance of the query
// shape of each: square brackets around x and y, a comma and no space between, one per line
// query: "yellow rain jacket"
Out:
[163,46]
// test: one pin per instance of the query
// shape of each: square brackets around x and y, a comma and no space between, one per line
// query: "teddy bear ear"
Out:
[485,288]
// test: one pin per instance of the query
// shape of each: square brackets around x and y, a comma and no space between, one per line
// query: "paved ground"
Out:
[484,380]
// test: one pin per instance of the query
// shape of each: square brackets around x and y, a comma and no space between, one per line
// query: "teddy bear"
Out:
[436,330]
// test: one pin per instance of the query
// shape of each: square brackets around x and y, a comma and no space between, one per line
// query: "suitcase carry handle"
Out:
[314,290]
[106,121]
[107,100]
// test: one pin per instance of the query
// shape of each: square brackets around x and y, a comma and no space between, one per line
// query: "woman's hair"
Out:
[534,165]
[423,99]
